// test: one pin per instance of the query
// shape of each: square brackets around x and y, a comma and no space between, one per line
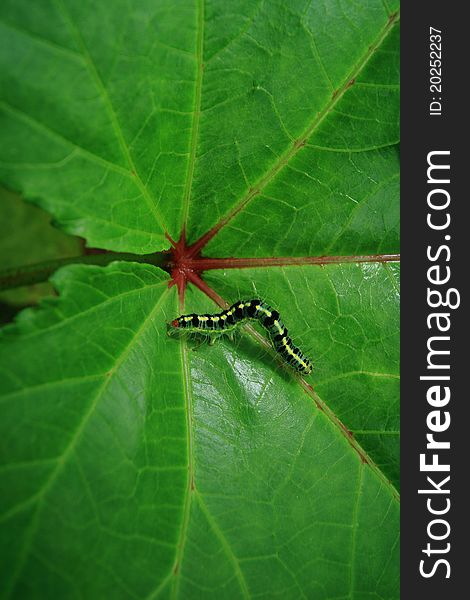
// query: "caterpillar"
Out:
[244,310]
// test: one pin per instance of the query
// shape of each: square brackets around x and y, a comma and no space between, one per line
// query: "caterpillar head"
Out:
[172,326]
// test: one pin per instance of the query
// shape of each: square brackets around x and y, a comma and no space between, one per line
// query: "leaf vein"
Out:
[196,113]
[289,154]
[41,494]
[96,77]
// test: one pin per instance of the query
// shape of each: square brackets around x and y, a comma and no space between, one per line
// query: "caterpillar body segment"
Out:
[240,312]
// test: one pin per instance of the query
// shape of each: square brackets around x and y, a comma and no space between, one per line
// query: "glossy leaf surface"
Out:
[132,465]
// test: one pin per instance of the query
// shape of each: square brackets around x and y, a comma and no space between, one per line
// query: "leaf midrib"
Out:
[183,534]
[196,113]
[330,415]
[96,77]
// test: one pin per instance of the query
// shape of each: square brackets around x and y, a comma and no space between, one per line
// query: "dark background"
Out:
[420,134]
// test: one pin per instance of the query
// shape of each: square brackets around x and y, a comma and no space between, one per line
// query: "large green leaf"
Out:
[133,466]
[150,467]
[114,116]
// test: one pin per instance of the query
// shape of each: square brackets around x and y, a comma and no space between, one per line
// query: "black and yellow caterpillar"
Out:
[244,310]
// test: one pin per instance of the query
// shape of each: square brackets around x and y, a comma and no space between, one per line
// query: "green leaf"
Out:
[133,464]
[110,122]
[213,461]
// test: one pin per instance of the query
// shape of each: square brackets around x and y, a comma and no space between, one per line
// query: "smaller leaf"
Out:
[29,238]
